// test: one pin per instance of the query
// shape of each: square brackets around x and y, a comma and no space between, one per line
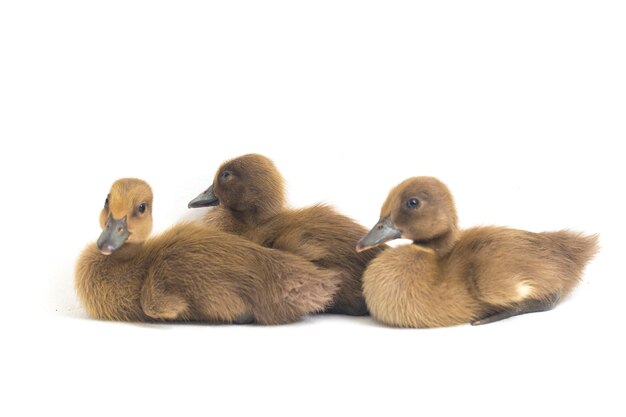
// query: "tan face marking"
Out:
[125,200]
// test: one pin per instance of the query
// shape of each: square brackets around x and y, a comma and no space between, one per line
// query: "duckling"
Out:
[451,276]
[191,272]
[249,193]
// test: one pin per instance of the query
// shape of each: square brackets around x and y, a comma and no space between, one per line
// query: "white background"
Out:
[519,106]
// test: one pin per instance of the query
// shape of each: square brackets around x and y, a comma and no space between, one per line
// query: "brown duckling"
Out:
[451,276]
[191,272]
[249,193]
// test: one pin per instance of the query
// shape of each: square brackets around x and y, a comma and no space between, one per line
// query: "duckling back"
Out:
[508,266]
[210,274]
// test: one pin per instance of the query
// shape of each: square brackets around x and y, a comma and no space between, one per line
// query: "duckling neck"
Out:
[255,215]
[442,244]
[126,252]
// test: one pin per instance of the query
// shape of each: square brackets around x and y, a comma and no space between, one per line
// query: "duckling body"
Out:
[479,275]
[249,193]
[194,272]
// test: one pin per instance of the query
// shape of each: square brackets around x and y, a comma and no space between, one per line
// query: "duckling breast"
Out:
[406,287]
[104,291]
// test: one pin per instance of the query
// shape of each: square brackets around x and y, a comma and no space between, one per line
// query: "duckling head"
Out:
[420,209]
[249,186]
[126,215]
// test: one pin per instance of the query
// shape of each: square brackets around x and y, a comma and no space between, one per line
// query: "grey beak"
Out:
[113,235]
[384,231]
[205,199]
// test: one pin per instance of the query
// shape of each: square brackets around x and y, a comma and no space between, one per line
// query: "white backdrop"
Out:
[520,108]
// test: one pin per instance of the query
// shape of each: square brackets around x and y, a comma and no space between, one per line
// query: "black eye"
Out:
[106,203]
[142,207]
[412,203]
[225,174]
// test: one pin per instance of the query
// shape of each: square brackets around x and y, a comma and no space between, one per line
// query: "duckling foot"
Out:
[528,306]
[355,309]
[348,311]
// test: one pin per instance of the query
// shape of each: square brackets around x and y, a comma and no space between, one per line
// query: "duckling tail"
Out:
[312,291]
[579,248]
[293,289]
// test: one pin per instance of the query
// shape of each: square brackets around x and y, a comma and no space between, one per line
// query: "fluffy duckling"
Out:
[191,271]
[249,193]
[451,276]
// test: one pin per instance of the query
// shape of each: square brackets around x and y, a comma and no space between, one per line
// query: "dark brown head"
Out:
[126,216]
[420,209]
[249,186]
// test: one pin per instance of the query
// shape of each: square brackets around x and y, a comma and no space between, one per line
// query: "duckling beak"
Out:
[205,199]
[384,231]
[113,235]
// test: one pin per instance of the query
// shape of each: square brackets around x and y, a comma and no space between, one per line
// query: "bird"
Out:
[248,195]
[190,272]
[449,276]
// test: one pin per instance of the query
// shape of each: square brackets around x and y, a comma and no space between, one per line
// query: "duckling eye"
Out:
[412,203]
[106,203]
[142,207]
[225,174]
